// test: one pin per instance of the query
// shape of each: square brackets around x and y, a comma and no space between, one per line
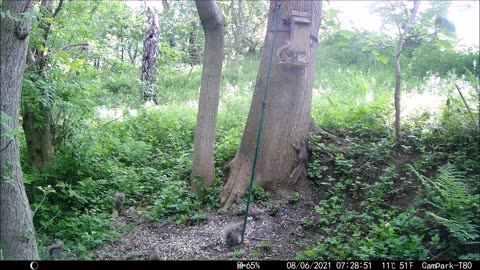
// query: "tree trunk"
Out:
[16,226]
[397,96]
[287,115]
[193,52]
[40,136]
[398,70]
[38,125]
[165,4]
[213,23]
[149,63]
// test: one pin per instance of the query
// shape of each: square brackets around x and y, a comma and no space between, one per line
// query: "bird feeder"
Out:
[298,51]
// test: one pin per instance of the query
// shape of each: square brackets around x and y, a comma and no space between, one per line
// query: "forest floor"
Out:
[277,229]
[267,236]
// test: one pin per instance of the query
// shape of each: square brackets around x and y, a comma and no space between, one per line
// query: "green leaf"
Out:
[382,58]
[444,44]
[9,132]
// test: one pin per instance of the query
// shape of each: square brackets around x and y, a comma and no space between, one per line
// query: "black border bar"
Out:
[242,265]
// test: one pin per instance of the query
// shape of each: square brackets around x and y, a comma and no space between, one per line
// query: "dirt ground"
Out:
[270,235]
[267,236]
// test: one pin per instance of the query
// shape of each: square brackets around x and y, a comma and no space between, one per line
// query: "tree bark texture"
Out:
[149,63]
[213,23]
[287,115]
[16,226]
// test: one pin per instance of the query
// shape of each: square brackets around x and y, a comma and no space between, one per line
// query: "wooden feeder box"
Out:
[300,29]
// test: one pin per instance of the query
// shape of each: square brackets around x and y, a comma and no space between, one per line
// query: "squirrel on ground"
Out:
[154,255]
[55,251]
[233,233]
[119,201]
[302,158]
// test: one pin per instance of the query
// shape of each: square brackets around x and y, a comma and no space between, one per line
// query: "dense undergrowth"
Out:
[381,200]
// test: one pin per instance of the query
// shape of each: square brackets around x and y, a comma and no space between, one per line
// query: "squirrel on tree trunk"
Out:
[302,158]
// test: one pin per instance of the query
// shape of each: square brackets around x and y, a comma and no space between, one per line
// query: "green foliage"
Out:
[7,130]
[344,166]
[264,246]
[83,221]
[238,254]
[307,222]
[344,48]
[273,209]
[432,58]
[294,197]
[399,239]
[455,207]
[258,193]
[375,231]
[173,199]
[208,196]
[146,152]
[227,145]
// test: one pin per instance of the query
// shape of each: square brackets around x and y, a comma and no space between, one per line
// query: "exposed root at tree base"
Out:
[237,182]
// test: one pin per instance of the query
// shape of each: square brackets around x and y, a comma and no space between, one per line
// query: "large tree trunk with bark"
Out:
[287,115]
[38,124]
[213,23]
[149,63]
[16,226]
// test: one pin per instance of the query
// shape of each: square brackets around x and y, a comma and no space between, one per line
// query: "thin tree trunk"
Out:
[16,226]
[398,70]
[397,97]
[165,4]
[287,115]
[192,46]
[213,23]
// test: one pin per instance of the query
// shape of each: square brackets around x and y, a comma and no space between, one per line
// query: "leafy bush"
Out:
[456,209]
[174,199]
[398,239]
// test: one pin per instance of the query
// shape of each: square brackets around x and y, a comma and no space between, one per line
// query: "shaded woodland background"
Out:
[412,196]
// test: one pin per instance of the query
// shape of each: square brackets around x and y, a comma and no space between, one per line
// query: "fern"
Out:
[457,209]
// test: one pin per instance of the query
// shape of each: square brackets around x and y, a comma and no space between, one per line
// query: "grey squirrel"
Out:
[285,53]
[302,158]
[154,255]
[119,201]
[55,251]
[233,233]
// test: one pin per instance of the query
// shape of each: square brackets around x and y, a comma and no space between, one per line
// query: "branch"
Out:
[57,9]
[376,42]
[37,61]
[416,4]
[109,122]
[468,108]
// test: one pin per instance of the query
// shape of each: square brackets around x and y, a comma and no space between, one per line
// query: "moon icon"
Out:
[34,265]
